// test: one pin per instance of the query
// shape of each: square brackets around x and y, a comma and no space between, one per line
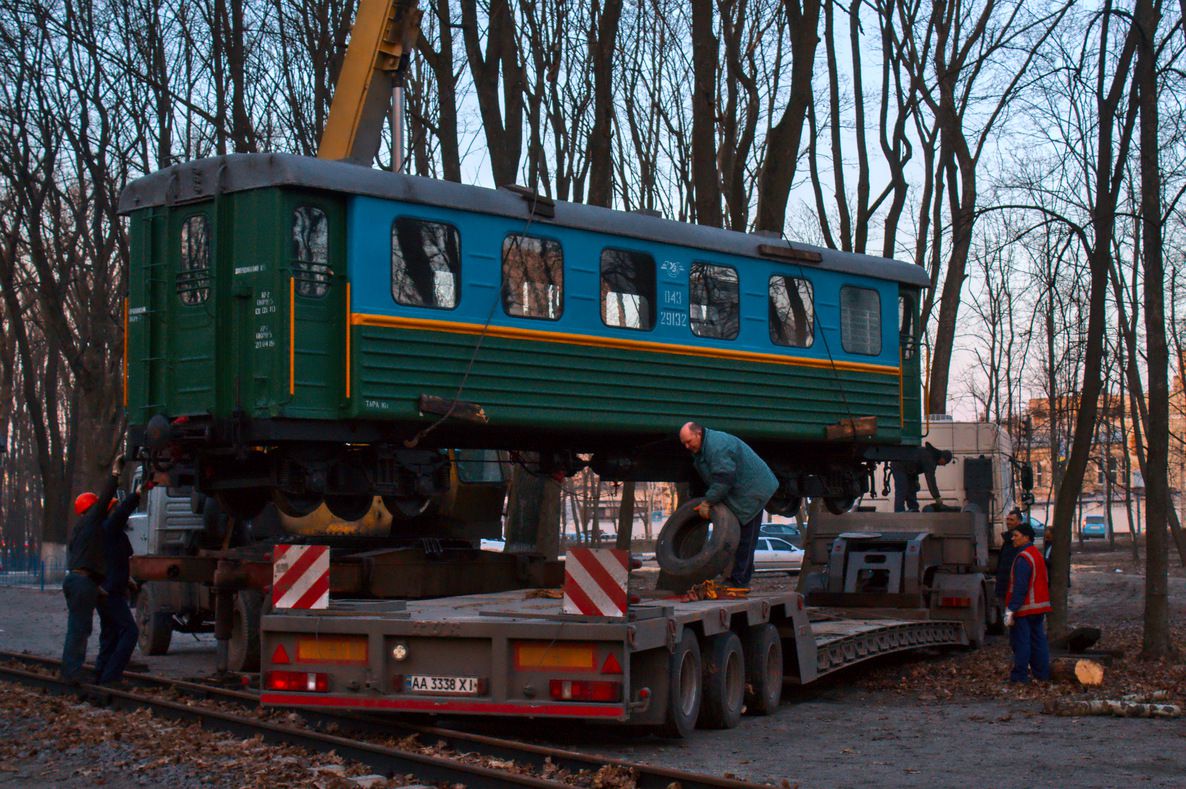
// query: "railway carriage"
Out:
[303,330]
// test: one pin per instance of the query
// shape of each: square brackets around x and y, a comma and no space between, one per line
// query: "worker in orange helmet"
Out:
[86,567]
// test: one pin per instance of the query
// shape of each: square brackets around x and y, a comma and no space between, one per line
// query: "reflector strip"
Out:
[608,711]
[300,576]
[314,649]
[540,655]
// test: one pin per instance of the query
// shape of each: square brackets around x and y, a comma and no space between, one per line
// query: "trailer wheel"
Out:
[156,626]
[243,649]
[686,557]
[979,623]
[684,692]
[763,669]
[724,682]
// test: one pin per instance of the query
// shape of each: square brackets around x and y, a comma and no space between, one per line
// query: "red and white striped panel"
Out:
[595,581]
[300,576]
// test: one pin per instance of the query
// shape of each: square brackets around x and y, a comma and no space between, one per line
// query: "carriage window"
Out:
[792,311]
[310,251]
[627,289]
[860,321]
[714,301]
[532,277]
[425,263]
[906,325]
[193,271]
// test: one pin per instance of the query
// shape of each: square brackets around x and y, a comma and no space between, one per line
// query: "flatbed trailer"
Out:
[669,664]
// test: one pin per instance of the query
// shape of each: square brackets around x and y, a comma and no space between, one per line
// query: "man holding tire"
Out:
[738,479]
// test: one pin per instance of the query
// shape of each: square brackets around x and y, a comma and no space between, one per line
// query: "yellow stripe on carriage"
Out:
[592,341]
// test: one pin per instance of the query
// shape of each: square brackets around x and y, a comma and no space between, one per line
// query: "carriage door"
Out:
[194,305]
[910,394]
[315,248]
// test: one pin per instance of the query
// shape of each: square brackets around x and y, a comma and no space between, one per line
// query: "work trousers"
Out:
[82,594]
[906,489]
[117,638]
[1030,649]
[743,559]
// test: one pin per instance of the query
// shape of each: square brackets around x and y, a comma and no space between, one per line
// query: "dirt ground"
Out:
[935,718]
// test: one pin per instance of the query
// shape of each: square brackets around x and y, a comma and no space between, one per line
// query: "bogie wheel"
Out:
[684,693]
[838,505]
[243,650]
[156,626]
[724,682]
[350,507]
[763,669]
[242,503]
[295,505]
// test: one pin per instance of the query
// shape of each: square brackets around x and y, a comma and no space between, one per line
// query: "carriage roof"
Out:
[203,178]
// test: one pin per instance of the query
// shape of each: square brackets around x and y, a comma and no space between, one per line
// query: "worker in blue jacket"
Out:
[117,627]
[737,478]
[1007,555]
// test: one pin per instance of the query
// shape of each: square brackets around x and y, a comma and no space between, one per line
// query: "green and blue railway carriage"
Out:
[322,328]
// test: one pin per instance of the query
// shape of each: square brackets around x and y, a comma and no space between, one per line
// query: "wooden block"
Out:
[861,427]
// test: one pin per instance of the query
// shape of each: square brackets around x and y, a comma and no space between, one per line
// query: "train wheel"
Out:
[782,504]
[763,669]
[685,555]
[350,507]
[156,626]
[838,505]
[405,508]
[295,505]
[242,503]
[723,679]
[684,690]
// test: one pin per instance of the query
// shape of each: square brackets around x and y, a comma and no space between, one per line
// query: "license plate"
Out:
[418,683]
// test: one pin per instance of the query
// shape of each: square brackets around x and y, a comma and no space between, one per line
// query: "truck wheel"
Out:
[683,694]
[723,678]
[156,626]
[243,650]
[683,557]
[977,625]
[763,669]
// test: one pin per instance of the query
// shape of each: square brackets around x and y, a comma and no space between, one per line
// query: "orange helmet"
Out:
[84,502]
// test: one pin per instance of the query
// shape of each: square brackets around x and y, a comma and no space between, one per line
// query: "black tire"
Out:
[156,626]
[723,678]
[243,649]
[686,558]
[684,693]
[838,505]
[979,624]
[350,507]
[763,669]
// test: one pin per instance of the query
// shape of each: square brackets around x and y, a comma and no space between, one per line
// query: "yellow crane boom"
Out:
[384,31]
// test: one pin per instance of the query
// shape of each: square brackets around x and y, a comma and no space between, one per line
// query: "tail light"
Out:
[303,681]
[955,602]
[585,690]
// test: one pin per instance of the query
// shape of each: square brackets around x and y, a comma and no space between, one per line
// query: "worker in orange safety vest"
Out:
[1028,602]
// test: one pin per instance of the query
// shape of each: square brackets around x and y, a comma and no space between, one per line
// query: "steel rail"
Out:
[647,776]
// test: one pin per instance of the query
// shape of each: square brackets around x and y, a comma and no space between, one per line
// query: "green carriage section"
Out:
[225,315]
[569,387]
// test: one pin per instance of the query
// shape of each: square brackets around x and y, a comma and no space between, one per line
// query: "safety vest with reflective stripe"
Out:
[1037,597]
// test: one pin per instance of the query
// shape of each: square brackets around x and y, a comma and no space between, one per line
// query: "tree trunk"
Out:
[1156,641]
[705,54]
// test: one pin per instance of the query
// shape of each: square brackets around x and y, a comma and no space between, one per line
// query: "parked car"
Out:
[787,531]
[776,555]
[1094,527]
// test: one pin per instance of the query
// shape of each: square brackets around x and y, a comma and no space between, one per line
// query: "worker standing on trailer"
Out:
[924,461]
[117,628]
[737,478]
[86,568]
[1029,602]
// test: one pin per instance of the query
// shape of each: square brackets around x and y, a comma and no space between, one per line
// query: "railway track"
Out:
[147,691]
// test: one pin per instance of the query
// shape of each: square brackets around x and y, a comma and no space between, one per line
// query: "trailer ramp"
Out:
[845,642]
